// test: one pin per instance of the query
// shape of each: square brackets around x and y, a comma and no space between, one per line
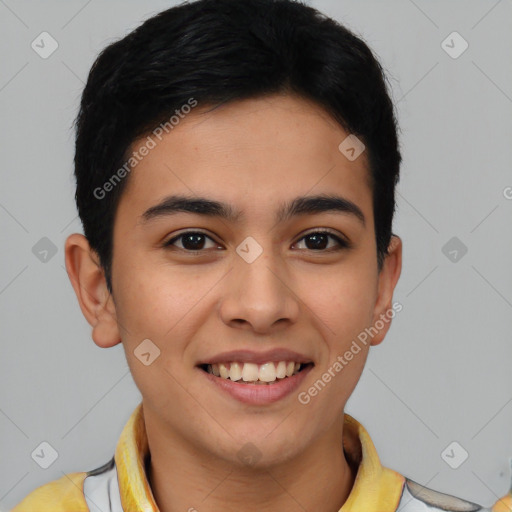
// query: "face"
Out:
[247,236]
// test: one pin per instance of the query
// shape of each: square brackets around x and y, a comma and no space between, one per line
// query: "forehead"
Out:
[255,153]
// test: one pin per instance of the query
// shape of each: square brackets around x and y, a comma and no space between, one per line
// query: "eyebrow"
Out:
[302,205]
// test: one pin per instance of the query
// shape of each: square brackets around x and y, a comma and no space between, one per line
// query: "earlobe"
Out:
[88,281]
[388,278]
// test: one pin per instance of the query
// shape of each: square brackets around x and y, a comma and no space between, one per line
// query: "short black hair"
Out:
[214,52]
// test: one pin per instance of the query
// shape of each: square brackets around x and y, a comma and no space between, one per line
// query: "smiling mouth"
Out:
[251,373]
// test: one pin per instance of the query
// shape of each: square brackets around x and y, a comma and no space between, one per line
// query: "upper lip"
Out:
[250,356]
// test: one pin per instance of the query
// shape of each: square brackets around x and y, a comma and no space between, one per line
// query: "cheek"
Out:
[152,304]
[151,298]
[343,299]
[157,302]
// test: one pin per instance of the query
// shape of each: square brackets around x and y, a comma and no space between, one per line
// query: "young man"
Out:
[236,163]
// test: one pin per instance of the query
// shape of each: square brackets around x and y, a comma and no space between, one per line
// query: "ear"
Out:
[88,280]
[388,277]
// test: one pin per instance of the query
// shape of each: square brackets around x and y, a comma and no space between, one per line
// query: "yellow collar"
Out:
[376,488]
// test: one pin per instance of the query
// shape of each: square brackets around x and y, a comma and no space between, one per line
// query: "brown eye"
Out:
[320,240]
[191,241]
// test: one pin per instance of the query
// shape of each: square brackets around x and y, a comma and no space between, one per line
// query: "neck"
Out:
[318,479]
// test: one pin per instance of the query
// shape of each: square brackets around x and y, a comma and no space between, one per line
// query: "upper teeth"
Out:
[250,372]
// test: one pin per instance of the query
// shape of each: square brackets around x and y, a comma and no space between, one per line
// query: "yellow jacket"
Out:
[121,484]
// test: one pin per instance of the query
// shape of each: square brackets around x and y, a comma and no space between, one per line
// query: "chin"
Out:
[257,450]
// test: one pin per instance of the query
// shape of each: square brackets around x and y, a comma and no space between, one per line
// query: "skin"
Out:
[255,155]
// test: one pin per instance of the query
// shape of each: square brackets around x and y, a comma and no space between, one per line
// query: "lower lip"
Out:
[259,394]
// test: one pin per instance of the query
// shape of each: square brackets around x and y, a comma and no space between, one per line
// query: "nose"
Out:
[259,297]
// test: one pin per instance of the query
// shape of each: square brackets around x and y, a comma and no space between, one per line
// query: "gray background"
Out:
[443,374]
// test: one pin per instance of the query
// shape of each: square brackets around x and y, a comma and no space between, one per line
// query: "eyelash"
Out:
[342,243]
